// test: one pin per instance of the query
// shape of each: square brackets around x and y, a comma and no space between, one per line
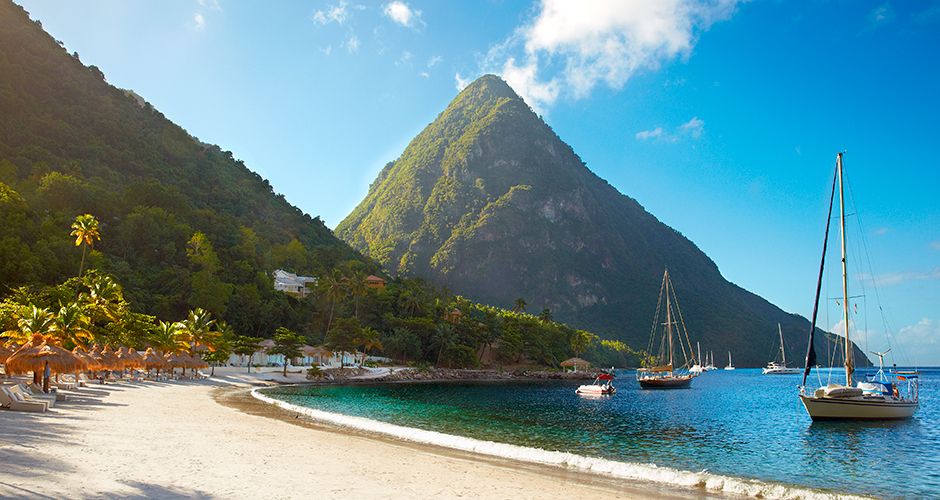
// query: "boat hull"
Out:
[859,408]
[665,382]
[781,371]
[596,389]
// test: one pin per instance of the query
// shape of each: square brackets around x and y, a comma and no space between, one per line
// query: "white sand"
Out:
[176,440]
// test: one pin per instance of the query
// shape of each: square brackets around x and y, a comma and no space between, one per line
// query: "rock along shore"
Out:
[399,374]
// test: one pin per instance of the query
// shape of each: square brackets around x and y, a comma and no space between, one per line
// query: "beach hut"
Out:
[577,364]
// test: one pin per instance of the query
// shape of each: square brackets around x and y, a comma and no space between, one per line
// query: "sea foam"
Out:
[652,473]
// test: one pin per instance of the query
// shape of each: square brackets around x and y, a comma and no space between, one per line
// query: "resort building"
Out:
[298,286]
[376,282]
[318,356]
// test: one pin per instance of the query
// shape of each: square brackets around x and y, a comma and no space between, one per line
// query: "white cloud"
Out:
[883,14]
[595,42]
[211,5]
[434,61]
[935,245]
[200,21]
[402,14]
[897,278]
[461,83]
[352,44]
[335,13]
[693,128]
[922,341]
[649,134]
[406,58]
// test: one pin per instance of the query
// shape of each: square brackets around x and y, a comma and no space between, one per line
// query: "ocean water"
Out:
[733,432]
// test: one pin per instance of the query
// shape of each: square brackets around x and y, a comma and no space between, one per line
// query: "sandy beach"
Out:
[211,439]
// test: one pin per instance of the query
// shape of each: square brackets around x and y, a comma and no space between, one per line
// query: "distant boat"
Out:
[603,384]
[697,368]
[877,399]
[710,363]
[661,372]
[730,364]
[780,368]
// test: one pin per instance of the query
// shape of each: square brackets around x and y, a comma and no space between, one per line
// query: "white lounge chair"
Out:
[10,402]
[36,390]
[24,394]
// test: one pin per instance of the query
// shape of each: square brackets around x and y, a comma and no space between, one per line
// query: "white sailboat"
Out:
[730,364]
[661,371]
[780,368]
[710,363]
[697,368]
[879,399]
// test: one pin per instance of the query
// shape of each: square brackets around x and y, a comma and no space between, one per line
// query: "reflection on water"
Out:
[733,423]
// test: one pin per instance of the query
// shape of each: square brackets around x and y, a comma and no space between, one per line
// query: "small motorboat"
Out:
[602,385]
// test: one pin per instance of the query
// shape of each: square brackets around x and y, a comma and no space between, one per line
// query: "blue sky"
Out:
[722,118]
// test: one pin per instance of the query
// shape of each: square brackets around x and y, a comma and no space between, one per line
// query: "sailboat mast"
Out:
[783,355]
[669,319]
[845,281]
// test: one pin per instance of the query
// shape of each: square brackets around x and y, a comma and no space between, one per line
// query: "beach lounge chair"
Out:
[24,394]
[10,402]
[61,384]
[36,390]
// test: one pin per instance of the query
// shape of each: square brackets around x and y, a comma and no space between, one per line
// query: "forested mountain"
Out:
[182,224]
[487,200]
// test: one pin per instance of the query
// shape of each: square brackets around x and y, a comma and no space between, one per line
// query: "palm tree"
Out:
[35,320]
[105,298]
[369,339]
[581,340]
[334,291]
[166,337]
[85,230]
[520,305]
[71,323]
[444,336]
[411,301]
[358,287]
[196,329]
[546,316]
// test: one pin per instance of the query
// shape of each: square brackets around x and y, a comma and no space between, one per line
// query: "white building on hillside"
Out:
[298,286]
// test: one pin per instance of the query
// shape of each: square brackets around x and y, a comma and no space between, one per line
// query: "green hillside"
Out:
[70,144]
[487,200]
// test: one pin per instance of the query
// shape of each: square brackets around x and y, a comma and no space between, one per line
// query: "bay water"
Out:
[733,432]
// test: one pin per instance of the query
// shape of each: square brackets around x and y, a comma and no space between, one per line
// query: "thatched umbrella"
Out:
[35,341]
[46,355]
[5,352]
[152,360]
[175,360]
[132,358]
[188,362]
[114,362]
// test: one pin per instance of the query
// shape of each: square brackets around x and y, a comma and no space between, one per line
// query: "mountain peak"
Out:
[488,201]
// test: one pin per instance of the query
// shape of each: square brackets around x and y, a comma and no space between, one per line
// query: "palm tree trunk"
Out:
[81,267]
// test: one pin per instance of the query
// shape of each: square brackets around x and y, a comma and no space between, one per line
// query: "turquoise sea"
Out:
[733,432]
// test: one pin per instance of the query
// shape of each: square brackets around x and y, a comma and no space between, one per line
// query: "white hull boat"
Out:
[876,399]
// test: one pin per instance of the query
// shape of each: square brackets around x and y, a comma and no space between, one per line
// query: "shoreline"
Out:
[211,439]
